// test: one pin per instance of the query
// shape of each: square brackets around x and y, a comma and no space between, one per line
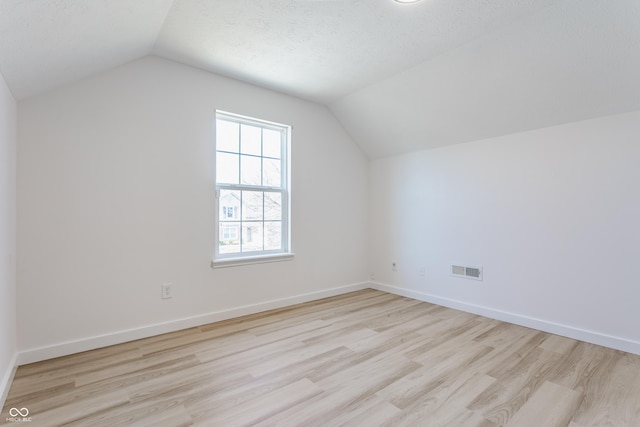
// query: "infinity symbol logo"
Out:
[14,412]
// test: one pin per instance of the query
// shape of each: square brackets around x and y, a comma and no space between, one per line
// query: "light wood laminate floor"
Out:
[366,358]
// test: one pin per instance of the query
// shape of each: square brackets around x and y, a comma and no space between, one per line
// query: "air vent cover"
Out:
[467,272]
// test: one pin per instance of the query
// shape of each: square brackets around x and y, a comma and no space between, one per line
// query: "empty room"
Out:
[320,213]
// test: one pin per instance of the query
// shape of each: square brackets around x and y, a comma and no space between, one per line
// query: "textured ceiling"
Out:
[325,49]
[577,60]
[46,43]
[399,77]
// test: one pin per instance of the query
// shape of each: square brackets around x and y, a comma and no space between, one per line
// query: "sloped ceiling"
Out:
[577,60]
[47,43]
[400,77]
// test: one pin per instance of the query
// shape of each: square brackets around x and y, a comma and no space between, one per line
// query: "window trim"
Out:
[253,257]
[257,259]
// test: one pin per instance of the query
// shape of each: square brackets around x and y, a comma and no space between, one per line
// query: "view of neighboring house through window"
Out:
[251,186]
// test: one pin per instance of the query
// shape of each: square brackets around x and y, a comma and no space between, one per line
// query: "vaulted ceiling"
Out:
[400,77]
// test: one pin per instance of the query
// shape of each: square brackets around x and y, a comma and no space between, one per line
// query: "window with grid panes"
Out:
[252,192]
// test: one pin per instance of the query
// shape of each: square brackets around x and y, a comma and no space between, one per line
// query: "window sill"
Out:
[259,259]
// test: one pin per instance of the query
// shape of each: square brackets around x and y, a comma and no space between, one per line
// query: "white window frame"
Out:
[285,253]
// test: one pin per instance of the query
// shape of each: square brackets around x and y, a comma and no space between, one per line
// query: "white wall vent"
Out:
[466,272]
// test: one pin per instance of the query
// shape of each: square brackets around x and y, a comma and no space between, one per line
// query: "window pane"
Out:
[229,237]
[273,206]
[250,140]
[271,174]
[252,236]
[227,136]
[272,235]
[250,170]
[271,143]
[252,205]
[251,179]
[229,205]
[227,168]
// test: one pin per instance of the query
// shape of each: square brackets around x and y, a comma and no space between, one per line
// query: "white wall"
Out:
[8,140]
[115,196]
[552,216]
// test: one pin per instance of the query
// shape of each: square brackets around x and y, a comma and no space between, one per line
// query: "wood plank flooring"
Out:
[366,358]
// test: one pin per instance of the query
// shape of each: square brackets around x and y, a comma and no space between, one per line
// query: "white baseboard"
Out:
[92,343]
[7,379]
[518,319]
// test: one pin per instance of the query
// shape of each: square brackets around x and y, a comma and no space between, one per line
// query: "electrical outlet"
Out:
[166,290]
[394,267]
[372,276]
[422,271]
